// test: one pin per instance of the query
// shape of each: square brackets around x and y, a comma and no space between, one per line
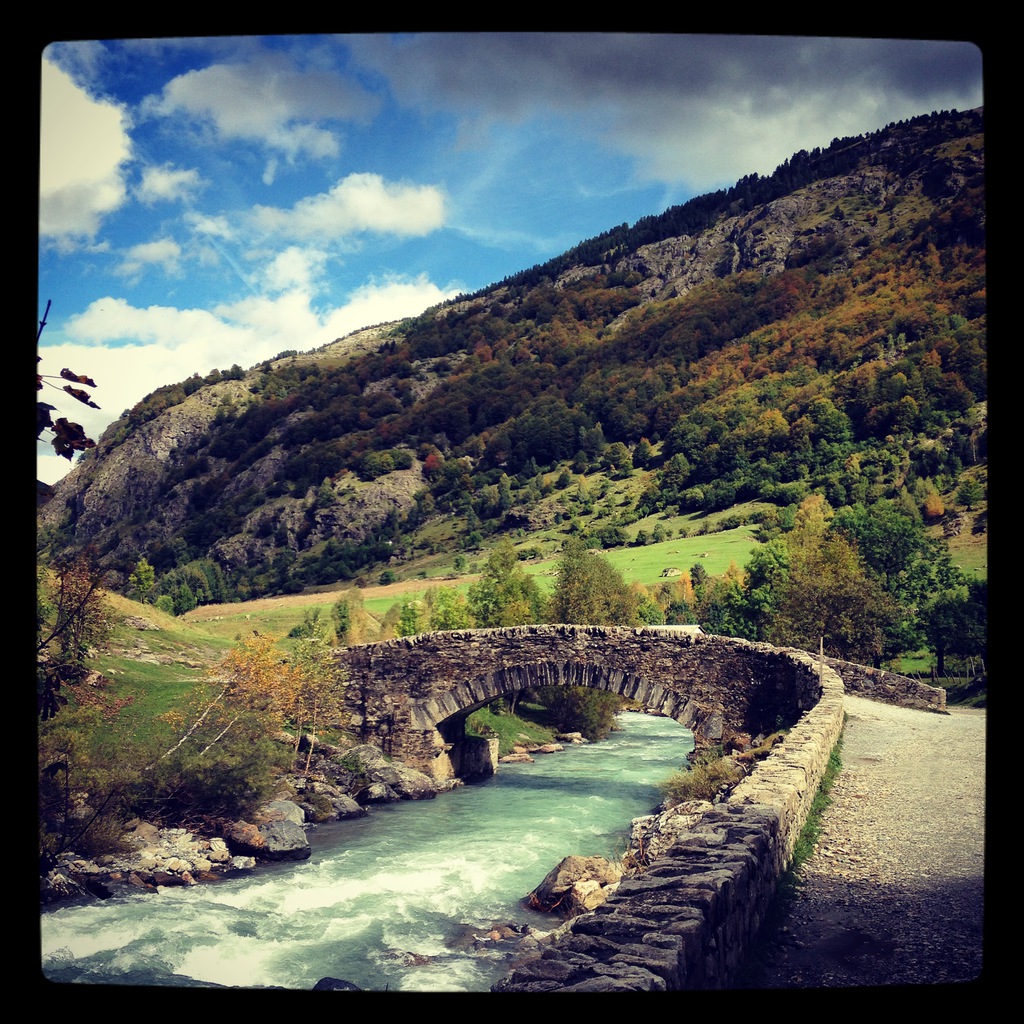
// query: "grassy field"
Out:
[152,670]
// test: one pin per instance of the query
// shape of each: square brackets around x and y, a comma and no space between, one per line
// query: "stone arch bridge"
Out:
[411,696]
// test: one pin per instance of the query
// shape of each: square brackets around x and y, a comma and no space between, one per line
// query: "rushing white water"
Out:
[382,898]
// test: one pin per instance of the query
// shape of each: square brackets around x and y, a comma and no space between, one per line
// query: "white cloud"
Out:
[360,202]
[83,146]
[294,268]
[267,100]
[164,252]
[382,302]
[214,226]
[167,183]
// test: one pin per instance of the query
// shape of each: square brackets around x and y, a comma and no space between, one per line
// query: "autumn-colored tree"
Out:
[71,620]
[829,596]
[317,694]
[721,605]
[649,610]
[934,507]
[252,682]
[223,760]
[678,599]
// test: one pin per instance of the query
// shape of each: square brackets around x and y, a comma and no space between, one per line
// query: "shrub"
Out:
[228,780]
[83,774]
[702,782]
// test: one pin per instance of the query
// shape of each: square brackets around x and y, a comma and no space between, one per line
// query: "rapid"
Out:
[383,900]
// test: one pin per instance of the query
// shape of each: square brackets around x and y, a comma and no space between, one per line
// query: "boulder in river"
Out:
[575,886]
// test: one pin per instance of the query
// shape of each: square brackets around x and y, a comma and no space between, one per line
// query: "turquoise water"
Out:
[381,897]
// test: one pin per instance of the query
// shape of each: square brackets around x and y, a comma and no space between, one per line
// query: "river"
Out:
[381,898]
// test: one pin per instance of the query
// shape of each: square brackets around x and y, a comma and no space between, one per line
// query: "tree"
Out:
[589,590]
[318,691]
[828,595]
[311,627]
[765,571]
[142,578]
[71,620]
[410,618]
[888,538]
[721,606]
[969,493]
[349,618]
[505,594]
[581,709]
[957,624]
[223,760]
[643,453]
[448,609]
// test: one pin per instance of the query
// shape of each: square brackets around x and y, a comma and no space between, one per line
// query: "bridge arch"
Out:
[469,757]
[409,696]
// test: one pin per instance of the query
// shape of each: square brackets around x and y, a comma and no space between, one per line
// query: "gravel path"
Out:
[893,893]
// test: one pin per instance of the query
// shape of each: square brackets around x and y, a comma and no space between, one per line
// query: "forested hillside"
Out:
[813,342]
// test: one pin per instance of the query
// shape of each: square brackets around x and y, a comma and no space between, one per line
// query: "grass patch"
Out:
[510,730]
[811,831]
[708,775]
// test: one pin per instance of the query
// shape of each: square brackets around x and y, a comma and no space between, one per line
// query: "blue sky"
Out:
[211,201]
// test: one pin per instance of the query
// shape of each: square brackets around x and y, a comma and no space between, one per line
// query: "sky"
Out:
[205,202]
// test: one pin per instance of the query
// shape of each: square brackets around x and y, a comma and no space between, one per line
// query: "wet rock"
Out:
[576,885]
[335,985]
[284,840]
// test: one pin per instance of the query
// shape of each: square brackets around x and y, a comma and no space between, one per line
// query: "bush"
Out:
[702,782]
[83,775]
[229,780]
[581,709]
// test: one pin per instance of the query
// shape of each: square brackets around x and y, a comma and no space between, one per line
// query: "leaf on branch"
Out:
[78,378]
[82,396]
[70,438]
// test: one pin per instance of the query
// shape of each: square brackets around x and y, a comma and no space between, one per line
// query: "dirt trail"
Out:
[893,893]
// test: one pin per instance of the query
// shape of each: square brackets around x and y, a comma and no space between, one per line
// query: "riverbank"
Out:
[893,893]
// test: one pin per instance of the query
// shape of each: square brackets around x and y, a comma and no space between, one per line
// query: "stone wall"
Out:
[889,687]
[688,920]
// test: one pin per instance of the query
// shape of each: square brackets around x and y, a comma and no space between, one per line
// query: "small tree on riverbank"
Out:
[318,696]
[71,621]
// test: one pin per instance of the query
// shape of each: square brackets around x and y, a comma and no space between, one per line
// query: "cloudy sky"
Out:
[211,201]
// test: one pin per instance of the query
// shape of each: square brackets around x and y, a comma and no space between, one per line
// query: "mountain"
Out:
[819,329]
